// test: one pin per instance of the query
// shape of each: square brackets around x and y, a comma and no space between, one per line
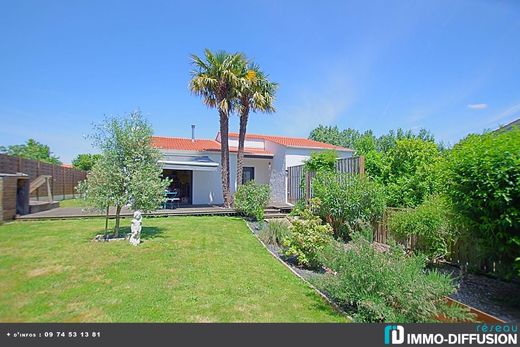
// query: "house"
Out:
[194,164]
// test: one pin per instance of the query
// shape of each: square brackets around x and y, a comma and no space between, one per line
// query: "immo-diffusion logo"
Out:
[394,334]
[484,334]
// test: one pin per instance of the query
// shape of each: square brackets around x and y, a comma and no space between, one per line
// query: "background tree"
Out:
[412,172]
[31,150]
[331,134]
[100,187]
[255,93]
[364,142]
[85,161]
[216,79]
[128,172]
[408,164]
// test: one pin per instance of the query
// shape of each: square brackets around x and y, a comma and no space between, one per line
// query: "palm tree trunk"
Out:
[118,217]
[244,115]
[224,157]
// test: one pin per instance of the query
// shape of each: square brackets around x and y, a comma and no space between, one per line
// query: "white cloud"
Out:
[477,106]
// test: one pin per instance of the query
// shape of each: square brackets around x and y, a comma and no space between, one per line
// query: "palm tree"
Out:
[255,93]
[215,78]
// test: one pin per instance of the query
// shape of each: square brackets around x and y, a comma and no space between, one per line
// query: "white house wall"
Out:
[207,186]
[278,177]
[297,156]
[262,171]
[249,143]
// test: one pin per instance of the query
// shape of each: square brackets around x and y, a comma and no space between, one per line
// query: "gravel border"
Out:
[493,296]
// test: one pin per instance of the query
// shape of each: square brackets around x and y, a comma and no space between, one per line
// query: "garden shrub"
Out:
[251,199]
[348,202]
[431,224]
[321,161]
[484,187]
[390,286]
[298,207]
[308,237]
[275,232]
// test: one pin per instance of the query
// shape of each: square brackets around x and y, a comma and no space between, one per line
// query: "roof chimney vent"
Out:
[193,133]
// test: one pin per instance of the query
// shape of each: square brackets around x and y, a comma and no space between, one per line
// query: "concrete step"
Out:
[40,206]
[275,215]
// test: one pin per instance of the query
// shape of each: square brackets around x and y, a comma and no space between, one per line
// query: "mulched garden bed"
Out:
[498,298]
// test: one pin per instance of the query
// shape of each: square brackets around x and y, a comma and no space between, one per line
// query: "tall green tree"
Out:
[216,78]
[412,171]
[255,93]
[128,172]
[85,161]
[407,163]
[31,150]
[101,187]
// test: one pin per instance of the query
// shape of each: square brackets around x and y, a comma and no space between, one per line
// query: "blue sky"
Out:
[450,66]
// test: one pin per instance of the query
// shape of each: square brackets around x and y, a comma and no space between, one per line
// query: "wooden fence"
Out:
[464,252]
[299,185]
[64,179]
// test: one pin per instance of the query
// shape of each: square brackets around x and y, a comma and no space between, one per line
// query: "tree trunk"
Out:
[244,115]
[106,221]
[118,217]
[224,157]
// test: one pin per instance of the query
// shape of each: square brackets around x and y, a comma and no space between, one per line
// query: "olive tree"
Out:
[128,172]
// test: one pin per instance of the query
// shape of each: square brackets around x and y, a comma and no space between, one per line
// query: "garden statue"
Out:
[135,236]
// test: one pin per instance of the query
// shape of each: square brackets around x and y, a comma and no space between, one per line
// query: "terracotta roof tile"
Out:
[184,144]
[293,141]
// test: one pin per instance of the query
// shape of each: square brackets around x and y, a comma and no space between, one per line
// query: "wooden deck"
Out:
[191,210]
[78,212]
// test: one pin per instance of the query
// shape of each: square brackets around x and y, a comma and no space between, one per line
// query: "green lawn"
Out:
[188,269]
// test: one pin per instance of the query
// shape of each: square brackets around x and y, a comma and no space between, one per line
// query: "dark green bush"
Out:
[348,202]
[431,224]
[308,237]
[251,199]
[484,187]
[390,286]
[275,232]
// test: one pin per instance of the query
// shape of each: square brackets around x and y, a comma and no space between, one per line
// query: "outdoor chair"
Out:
[172,199]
